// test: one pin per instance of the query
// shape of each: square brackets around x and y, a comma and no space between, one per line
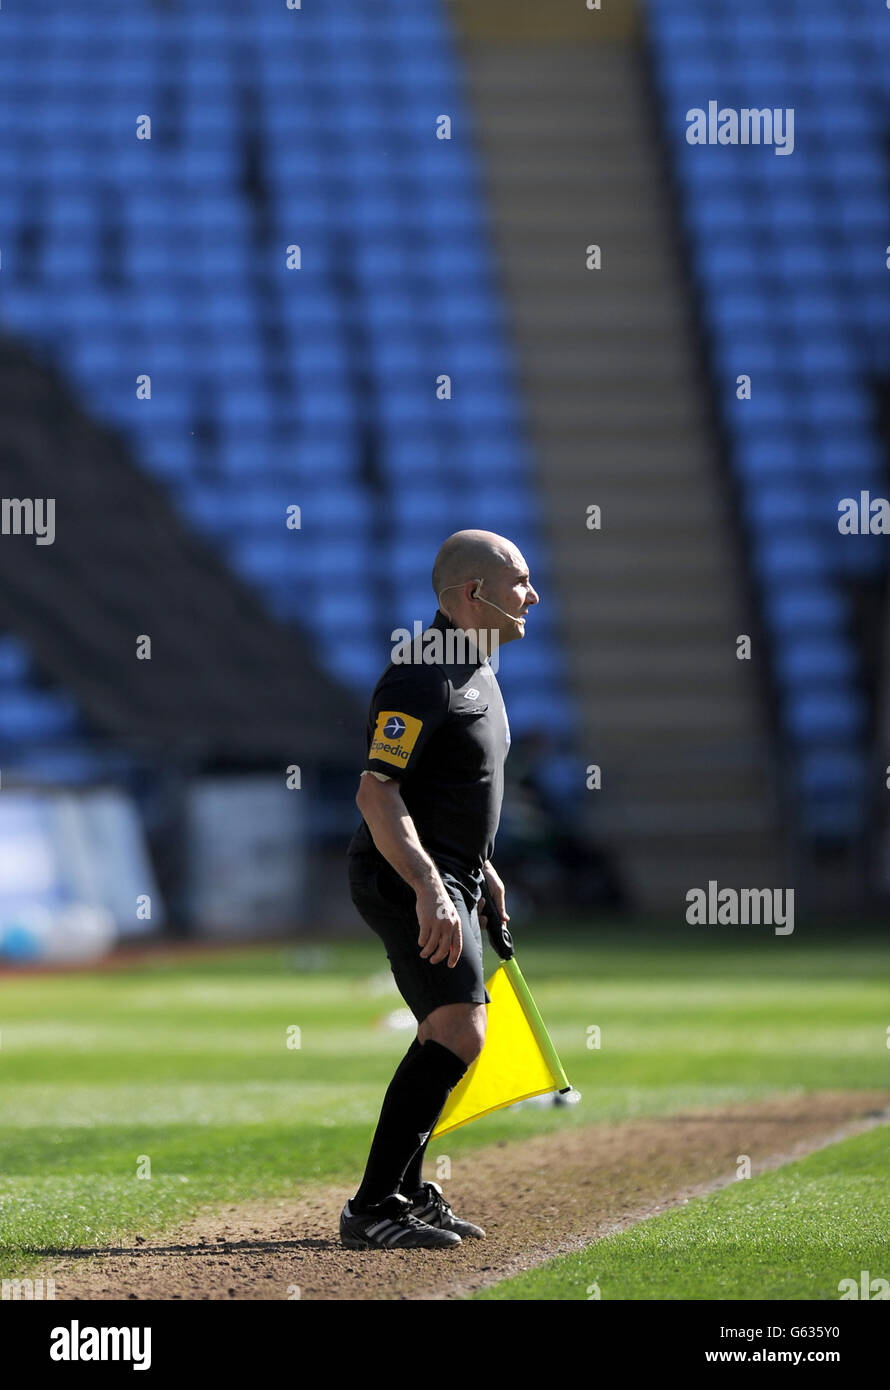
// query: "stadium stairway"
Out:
[652,603]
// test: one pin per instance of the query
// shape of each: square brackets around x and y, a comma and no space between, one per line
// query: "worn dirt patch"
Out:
[536,1198]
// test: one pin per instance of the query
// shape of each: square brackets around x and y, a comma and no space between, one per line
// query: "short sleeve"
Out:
[408,706]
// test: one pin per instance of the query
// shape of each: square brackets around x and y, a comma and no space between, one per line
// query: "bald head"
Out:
[471,555]
[500,610]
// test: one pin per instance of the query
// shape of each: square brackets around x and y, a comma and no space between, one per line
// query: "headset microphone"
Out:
[476,594]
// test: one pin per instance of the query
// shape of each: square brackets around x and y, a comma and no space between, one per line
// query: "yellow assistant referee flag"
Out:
[517,1061]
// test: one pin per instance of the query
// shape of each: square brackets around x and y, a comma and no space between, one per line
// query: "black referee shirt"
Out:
[440,729]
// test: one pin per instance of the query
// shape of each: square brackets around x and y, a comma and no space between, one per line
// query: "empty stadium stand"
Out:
[263,293]
[789,262]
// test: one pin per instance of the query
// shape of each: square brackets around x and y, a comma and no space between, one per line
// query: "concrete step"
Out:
[622,340]
[675,580]
[688,710]
[596,118]
[572,167]
[600,611]
[599,313]
[550,74]
[639,527]
[611,440]
[636,785]
[687,668]
[663,414]
[576,362]
[625,492]
[626,459]
[630,520]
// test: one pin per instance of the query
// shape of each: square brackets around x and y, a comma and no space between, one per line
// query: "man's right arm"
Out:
[395,836]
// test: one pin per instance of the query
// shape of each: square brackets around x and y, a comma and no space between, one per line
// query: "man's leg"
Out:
[461,1027]
[417,1094]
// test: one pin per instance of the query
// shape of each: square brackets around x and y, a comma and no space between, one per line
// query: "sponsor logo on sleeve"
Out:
[394,737]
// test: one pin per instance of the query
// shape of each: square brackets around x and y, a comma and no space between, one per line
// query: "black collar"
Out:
[444,624]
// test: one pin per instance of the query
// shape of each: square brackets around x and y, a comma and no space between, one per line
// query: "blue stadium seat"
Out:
[783,557]
[71,256]
[830,771]
[809,663]
[805,609]
[776,506]
[332,456]
[817,716]
[356,661]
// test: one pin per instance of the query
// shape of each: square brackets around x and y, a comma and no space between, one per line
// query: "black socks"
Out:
[413,1174]
[411,1178]
[413,1103]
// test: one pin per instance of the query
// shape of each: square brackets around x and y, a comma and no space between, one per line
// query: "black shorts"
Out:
[389,907]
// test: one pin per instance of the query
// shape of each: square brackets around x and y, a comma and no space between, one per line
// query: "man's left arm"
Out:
[493,915]
[494,890]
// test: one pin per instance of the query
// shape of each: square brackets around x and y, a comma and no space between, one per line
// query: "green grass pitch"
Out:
[794,1233]
[186,1066]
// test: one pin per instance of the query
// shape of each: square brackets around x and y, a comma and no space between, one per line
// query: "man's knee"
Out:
[459,1027]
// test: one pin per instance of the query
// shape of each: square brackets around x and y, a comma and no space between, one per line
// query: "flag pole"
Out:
[535,1022]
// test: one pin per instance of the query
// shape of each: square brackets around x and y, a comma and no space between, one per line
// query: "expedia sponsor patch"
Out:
[394,737]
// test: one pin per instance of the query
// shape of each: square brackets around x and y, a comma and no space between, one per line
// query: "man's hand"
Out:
[440,930]
[493,915]
[494,891]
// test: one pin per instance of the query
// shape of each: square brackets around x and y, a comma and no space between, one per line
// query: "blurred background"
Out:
[290,293]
